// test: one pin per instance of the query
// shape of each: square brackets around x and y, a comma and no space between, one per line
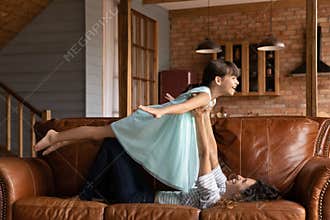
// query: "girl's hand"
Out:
[157,113]
[169,97]
[56,146]
[49,139]
[49,143]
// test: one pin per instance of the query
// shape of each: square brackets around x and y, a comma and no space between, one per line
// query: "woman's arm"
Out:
[203,143]
[212,142]
[200,100]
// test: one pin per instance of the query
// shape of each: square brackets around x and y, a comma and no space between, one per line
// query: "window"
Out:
[144,60]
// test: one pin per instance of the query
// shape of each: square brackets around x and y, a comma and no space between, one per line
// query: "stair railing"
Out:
[34,112]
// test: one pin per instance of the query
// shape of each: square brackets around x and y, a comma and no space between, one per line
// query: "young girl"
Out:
[166,146]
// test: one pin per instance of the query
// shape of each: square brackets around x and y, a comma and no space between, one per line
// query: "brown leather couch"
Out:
[290,153]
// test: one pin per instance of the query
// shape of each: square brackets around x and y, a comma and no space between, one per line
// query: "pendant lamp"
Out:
[208,46]
[270,43]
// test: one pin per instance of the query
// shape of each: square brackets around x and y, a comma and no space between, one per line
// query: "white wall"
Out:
[94,52]
[94,60]
[34,64]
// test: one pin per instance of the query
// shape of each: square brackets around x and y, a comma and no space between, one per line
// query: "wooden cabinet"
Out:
[259,69]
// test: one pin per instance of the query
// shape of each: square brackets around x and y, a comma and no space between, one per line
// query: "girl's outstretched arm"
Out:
[54,140]
[200,100]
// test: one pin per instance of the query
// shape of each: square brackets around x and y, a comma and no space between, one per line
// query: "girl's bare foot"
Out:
[49,139]
[55,146]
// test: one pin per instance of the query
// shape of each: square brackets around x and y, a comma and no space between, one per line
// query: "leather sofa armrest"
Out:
[311,188]
[23,178]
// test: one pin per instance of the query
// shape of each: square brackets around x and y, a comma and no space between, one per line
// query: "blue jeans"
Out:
[116,177]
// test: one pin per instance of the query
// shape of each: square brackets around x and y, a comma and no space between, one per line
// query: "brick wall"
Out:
[189,28]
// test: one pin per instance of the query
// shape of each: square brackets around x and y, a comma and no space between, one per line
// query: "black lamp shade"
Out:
[207,47]
[270,43]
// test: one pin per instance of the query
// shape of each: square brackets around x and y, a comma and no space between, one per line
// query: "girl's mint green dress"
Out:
[166,147]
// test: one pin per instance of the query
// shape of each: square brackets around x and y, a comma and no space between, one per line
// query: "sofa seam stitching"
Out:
[324,188]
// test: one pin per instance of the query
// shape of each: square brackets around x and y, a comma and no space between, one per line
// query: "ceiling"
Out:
[15,15]
[204,3]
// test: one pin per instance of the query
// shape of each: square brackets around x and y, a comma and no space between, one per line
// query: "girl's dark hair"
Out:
[218,68]
[258,192]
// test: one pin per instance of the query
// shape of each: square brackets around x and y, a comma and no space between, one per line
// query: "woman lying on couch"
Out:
[116,178]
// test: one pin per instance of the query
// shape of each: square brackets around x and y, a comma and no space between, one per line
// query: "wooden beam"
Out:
[225,9]
[261,72]
[20,129]
[8,119]
[245,68]
[124,53]
[161,1]
[156,64]
[32,133]
[277,72]
[311,58]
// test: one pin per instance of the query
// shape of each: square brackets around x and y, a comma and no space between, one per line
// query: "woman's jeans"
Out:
[116,178]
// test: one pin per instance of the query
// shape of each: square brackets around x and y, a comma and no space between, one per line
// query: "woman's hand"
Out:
[202,111]
[157,113]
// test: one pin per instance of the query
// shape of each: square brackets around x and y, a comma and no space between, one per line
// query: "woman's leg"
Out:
[127,181]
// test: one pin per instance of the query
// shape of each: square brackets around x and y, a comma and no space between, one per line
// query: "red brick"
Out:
[288,25]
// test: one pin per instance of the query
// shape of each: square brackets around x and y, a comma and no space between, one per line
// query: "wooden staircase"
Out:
[6,149]
[16,14]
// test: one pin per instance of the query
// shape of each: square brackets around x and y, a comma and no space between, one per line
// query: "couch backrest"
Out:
[272,149]
[70,164]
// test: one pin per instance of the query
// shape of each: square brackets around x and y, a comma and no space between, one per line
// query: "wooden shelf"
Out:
[257,94]
[304,74]
[264,67]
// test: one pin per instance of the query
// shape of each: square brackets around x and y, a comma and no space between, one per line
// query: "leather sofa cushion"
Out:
[37,208]
[272,149]
[151,212]
[70,164]
[275,210]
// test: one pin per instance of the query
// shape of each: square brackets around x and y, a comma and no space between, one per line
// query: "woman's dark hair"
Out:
[218,68]
[258,192]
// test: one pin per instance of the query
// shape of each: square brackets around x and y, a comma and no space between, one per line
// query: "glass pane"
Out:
[133,61]
[270,71]
[151,35]
[142,63]
[142,34]
[237,59]
[134,92]
[138,62]
[134,29]
[142,93]
[222,54]
[152,77]
[253,68]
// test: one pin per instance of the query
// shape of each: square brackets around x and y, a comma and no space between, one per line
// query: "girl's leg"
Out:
[124,175]
[54,140]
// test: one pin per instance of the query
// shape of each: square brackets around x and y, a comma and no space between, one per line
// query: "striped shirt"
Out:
[208,190]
